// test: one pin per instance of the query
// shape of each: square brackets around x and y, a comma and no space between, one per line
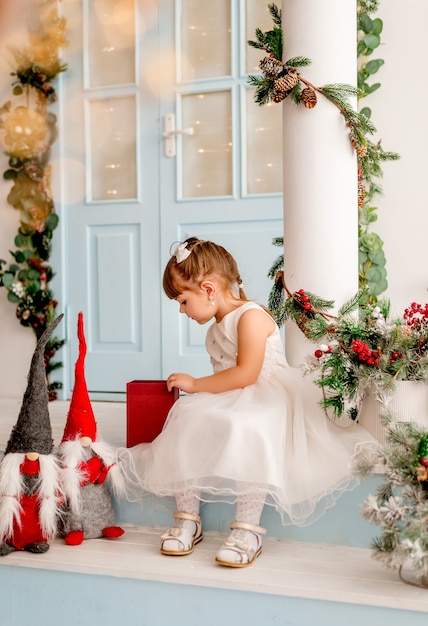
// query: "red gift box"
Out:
[147,405]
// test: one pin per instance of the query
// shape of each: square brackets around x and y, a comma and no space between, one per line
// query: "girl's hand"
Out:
[181,381]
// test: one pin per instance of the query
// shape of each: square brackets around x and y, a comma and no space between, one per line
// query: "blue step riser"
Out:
[52,598]
[342,524]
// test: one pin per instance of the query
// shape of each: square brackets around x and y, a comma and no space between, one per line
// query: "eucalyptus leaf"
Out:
[12,297]
[373,65]
[372,88]
[378,288]
[20,240]
[362,256]
[378,258]
[366,23]
[33,274]
[377,26]
[9,175]
[52,221]
[8,279]
[373,275]
[22,275]
[372,41]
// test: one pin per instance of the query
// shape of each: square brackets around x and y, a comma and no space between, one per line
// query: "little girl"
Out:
[250,432]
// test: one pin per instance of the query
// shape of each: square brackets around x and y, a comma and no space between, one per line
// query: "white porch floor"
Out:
[294,569]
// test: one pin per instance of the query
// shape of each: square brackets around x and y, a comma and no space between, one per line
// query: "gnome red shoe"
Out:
[112,532]
[74,538]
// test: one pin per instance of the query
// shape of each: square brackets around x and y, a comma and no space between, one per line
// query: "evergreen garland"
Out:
[28,131]
[281,79]
[360,347]
[400,505]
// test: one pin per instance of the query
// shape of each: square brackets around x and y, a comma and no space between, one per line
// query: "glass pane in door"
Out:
[110,42]
[207,154]
[264,147]
[205,33]
[112,150]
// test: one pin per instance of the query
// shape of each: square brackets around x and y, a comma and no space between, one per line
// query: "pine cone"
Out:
[361,193]
[361,150]
[271,66]
[308,97]
[281,88]
[290,79]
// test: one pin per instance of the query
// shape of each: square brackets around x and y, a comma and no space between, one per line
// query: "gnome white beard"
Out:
[49,494]
[71,454]
[12,487]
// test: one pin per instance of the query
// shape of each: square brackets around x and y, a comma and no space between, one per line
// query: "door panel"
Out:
[127,202]
[111,138]
[228,172]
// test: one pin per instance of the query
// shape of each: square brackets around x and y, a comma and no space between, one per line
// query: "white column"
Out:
[320,167]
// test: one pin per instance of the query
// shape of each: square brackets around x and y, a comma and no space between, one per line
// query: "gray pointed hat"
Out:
[33,432]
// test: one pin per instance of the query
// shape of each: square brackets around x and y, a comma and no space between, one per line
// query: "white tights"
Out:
[248,507]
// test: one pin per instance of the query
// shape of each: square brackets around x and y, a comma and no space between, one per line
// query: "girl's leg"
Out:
[244,544]
[186,532]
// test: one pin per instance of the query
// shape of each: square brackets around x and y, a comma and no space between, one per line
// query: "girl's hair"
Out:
[200,260]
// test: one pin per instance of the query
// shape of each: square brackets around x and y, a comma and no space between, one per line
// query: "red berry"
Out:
[301,291]
[318,353]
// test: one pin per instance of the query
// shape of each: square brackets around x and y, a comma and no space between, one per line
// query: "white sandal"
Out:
[180,539]
[237,550]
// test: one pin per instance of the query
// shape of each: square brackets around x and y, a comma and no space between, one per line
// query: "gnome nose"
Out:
[32,456]
[85,442]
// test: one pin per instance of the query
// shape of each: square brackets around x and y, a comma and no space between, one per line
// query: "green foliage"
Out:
[370,154]
[372,262]
[360,347]
[271,41]
[400,505]
[27,277]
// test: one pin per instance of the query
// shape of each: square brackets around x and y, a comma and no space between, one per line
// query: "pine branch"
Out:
[361,298]
[298,61]
[276,14]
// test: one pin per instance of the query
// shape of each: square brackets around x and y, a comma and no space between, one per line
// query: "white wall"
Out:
[399,115]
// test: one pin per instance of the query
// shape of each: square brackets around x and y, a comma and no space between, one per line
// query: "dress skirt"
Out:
[270,438]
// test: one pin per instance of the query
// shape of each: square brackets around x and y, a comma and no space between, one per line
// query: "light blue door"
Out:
[162,141]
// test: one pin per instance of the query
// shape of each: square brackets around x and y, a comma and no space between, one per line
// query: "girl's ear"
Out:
[208,287]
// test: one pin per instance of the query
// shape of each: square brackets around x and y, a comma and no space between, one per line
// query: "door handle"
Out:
[170,133]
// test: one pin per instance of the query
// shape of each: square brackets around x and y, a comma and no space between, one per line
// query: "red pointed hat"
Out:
[80,419]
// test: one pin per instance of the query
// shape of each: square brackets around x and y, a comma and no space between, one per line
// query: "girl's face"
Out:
[197,305]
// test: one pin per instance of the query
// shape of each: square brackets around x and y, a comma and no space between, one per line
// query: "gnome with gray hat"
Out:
[29,471]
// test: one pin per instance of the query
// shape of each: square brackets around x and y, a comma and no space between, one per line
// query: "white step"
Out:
[286,572]
[322,573]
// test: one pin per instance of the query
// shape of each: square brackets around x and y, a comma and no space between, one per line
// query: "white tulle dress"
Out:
[269,438]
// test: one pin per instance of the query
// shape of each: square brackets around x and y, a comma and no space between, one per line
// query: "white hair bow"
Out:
[182,252]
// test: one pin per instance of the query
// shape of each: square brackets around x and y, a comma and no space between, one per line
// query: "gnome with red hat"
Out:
[30,495]
[89,474]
